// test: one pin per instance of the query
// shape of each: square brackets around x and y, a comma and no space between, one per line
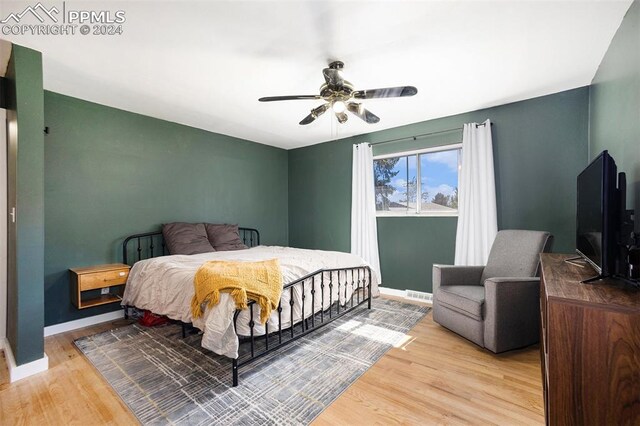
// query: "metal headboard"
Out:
[151,244]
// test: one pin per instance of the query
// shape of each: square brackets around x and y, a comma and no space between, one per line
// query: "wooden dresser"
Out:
[590,347]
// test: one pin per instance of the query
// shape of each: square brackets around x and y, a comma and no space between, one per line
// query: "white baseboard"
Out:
[392,292]
[17,372]
[407,294]
[82,322]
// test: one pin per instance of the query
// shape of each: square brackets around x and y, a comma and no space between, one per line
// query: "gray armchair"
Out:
[495,306]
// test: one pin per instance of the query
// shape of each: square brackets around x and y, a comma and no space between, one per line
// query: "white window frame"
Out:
[417,153]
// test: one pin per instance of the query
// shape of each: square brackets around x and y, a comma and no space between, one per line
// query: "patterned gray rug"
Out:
[165,379]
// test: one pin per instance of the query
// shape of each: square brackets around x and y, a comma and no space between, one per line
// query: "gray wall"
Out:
[111,173]
[615,105]
[540,146]
[25,296]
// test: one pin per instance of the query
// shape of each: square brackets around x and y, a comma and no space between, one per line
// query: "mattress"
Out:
[164,285]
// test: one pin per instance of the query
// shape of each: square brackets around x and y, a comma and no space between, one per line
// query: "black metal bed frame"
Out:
[358,278]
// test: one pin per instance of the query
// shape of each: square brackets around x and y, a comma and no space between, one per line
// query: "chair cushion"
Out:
[515,253]
[465,299]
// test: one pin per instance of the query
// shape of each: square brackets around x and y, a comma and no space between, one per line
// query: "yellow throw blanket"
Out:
[258,281]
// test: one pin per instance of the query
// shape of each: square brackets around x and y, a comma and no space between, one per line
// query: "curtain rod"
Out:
[423,135]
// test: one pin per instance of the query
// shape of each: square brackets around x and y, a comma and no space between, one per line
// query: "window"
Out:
[418,183]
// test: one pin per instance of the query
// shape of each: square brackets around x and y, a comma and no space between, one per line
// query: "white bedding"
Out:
[164,285]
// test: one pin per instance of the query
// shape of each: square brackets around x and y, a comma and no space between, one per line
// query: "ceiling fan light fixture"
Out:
[342,117]
[338,107]
[355,108]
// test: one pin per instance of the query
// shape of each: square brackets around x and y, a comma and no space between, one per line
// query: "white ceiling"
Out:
[205,64]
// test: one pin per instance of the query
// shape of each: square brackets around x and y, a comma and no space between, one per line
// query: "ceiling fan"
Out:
[339,95]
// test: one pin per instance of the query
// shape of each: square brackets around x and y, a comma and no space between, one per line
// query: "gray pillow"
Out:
[224,237]
[186,238]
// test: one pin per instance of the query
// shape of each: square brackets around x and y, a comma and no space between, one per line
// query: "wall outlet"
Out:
[104,290]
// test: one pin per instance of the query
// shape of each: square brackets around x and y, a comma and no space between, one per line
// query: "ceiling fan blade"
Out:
[342,117]
[387,92]
[361,112]
[315,113]
[333,77]
[288,98]
[308,119]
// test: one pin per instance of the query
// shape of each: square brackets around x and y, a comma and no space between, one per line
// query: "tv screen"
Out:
[596,213]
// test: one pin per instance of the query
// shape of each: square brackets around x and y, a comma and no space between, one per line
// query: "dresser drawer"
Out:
[102,279]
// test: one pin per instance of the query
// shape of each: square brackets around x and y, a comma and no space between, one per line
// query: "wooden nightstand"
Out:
[87,284]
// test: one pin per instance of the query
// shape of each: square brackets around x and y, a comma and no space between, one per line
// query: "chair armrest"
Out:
[456,275]
[511,282]
[512,312]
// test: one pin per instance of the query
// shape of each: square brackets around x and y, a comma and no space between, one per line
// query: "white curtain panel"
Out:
[364,230]
[477,213]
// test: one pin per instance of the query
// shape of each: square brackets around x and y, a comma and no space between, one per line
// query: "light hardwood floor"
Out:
[437,377]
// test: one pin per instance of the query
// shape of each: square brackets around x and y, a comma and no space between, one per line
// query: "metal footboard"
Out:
[357,279]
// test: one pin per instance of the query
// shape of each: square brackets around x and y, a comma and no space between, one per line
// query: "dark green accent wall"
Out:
[111,173]
[25,295]
[540,146]
[410,246]
[320,196]
[615,104]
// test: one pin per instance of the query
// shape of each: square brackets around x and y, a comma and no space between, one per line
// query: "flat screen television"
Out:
[597,214]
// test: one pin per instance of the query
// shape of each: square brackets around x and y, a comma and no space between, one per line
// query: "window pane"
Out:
[411,186]
[439,180]
[391,175]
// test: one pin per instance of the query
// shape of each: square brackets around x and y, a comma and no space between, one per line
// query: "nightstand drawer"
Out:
[103,279]
[86,281]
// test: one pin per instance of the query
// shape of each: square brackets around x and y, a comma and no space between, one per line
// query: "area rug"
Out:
[165,379]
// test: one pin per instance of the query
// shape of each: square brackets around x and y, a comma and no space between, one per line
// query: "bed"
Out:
[318,287]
